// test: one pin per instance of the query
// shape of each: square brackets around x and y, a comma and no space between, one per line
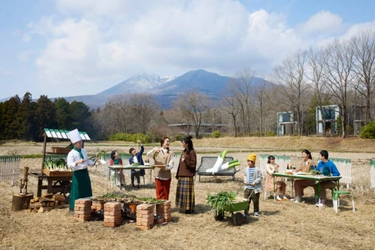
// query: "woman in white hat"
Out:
[78,162]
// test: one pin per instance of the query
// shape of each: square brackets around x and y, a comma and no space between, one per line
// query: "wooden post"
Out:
[25,180]
[20,202]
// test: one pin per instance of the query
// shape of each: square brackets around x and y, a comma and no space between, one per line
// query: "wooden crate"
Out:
[60,150]
[58,173]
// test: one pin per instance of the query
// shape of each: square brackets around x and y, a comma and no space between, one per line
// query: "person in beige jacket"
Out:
[164,160]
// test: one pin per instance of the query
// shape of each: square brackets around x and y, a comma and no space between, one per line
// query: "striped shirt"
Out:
[251,174]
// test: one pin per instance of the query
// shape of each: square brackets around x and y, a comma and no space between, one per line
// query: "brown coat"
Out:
[187,167]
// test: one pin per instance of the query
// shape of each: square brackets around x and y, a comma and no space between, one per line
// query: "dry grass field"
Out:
[281,225]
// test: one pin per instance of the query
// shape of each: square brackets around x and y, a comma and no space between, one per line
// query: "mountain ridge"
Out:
[165,88]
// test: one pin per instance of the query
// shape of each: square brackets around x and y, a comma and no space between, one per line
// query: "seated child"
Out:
[271,168]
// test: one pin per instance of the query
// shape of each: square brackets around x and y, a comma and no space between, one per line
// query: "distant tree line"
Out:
[26,120]
[341,72]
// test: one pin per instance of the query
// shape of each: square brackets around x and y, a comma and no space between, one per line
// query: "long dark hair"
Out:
[162,142]
[271,157]
[113,154]
[308,153]
[187,140]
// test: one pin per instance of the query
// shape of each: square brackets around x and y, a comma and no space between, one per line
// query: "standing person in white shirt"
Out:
[78,161]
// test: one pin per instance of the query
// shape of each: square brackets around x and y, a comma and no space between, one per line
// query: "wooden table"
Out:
[55,184]
[317,178]
[112,183]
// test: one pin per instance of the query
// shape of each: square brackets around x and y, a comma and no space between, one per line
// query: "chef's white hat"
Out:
[74,136]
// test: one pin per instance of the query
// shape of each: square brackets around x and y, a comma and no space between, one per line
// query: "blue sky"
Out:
[65,48]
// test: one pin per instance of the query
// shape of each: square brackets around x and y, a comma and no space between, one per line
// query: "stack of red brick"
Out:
[112,214]
[163,212]
[167,211]
[82,209]
[145,216]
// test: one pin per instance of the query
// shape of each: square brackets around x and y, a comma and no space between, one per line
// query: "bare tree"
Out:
[338,69]
[240,91]
[317,60]
[129,113]
[291,77]
[114,115]
[192,106]
[364,68]
[142,109]
[262,101]
[231,106]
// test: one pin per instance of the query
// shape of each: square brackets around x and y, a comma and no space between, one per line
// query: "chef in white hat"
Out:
[78,162]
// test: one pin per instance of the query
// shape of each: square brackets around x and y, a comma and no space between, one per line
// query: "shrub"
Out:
[215,134]
[130,137]
[368,131]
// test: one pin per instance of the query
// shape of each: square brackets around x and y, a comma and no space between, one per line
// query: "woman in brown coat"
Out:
[185,197]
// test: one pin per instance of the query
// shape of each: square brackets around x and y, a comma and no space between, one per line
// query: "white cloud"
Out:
[323,22]
[91,45]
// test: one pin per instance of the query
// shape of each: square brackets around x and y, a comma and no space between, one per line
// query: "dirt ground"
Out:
[281,225]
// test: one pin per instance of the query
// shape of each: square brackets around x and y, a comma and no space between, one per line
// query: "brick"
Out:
[112,209]
[145,207]
[146,220]
[82,212]
[147,224]
[145,211]
[82,218]
[110,224]
[82,209]
[145,227]
[83,201]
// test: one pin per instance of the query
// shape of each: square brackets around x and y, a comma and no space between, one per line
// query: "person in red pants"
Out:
[164,162]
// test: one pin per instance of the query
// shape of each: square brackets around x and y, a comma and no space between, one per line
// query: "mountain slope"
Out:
[199,80]
[165,89]
[136,84]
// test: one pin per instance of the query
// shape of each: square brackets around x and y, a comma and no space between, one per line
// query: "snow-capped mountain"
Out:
[165,89]
[138,83]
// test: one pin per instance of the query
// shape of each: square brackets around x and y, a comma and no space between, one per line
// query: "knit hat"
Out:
[74,136]
[252,157]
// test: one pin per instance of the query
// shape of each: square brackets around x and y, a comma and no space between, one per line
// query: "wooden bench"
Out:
[208,162]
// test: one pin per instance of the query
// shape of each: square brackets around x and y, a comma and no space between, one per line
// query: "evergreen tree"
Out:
[26,115]
[10,123]
[62,114]
[45,114]
[80,117]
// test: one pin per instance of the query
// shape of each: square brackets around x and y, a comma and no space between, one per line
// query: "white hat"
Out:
[74,136]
